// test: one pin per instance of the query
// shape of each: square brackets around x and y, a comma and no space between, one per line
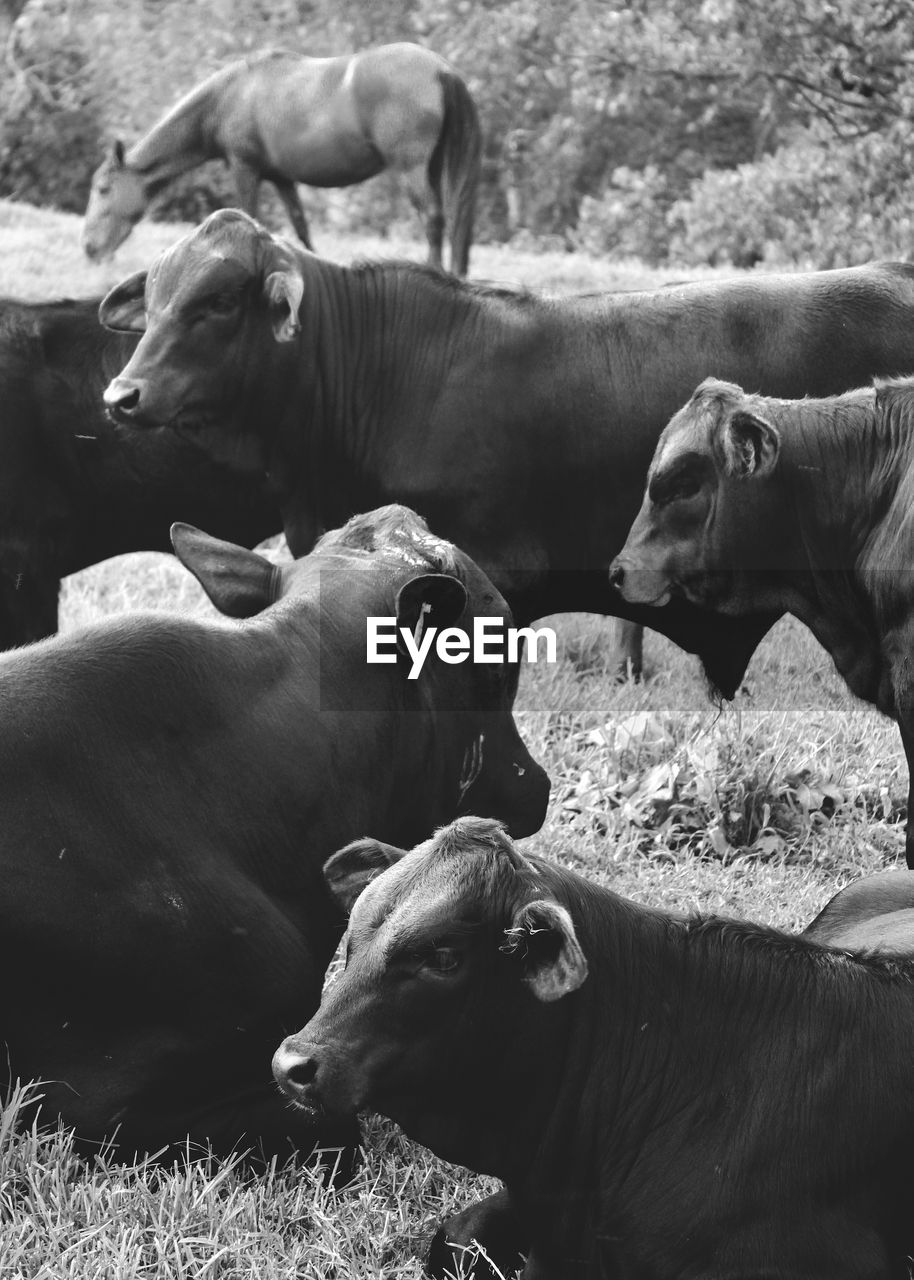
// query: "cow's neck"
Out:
[843,468]
[377,342]
[687,1032]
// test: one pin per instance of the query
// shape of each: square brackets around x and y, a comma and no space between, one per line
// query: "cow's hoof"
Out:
[485,1242]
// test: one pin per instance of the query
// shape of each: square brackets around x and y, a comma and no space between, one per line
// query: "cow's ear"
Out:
[284,291]
[554,963]
[430,599]
[751,445]
[239,582]
[124,308]
[349,870]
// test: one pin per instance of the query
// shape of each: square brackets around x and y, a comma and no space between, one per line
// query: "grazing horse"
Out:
[328,122]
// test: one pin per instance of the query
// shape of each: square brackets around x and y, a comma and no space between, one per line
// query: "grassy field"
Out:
[758,809]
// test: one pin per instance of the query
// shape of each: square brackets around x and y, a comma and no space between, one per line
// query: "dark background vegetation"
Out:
[671,130]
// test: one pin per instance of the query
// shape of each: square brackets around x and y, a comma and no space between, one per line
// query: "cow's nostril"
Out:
[616,575]
[129,399]
[122,397]
[302,1072]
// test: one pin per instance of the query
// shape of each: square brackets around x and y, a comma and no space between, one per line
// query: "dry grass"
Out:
[759,809]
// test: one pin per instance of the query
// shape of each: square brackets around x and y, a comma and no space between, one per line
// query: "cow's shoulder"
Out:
[142,661]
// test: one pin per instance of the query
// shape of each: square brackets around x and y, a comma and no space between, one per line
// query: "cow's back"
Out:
[146,873]
[531,445]
[873,913]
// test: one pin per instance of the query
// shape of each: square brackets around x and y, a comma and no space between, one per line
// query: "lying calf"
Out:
[170,789]
[662,1096]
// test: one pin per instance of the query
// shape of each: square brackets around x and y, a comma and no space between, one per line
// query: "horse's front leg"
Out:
[288,194]
[247,184]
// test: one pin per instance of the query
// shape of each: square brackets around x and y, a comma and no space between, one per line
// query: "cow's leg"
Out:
[628,650]
[907,739]
[288,194]
[495,1225]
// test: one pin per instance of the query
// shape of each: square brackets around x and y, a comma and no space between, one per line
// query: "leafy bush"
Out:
[629,219]
[50,130]
[816,203]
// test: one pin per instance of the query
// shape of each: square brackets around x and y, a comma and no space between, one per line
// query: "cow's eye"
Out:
[443,959]
[222,304]
[676,489]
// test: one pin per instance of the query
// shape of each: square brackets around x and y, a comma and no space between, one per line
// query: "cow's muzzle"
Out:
[639,586]
[295,1071]
[122,398]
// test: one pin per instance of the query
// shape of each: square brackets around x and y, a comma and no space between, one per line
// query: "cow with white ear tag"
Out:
[171,787]
[657,1093]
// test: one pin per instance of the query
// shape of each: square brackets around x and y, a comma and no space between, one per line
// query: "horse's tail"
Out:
[454,165]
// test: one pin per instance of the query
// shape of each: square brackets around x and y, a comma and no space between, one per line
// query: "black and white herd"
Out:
[192,809]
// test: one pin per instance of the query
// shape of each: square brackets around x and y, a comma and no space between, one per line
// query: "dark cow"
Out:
[73,489]
[801,507]
[662,1096]
[521,427]
[170,790]
[872,914]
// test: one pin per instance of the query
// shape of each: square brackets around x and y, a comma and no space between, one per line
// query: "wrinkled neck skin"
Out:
[851,521]
[545,1105]
[351,374]
[666,1049]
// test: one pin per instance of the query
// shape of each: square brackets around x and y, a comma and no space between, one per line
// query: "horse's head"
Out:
[117,200]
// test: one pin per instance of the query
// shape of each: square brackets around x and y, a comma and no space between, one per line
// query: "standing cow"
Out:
[662,1096]
[521,427]
[792,507]
[170,788]
[73,488]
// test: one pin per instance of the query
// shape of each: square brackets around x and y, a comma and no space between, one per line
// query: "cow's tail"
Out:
[454,166]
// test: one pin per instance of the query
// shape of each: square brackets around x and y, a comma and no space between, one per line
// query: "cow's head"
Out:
[208,309]
[710,516]
[462,965]
[117,201]
[464,750]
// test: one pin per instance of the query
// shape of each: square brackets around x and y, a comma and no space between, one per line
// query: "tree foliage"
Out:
[50,127]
